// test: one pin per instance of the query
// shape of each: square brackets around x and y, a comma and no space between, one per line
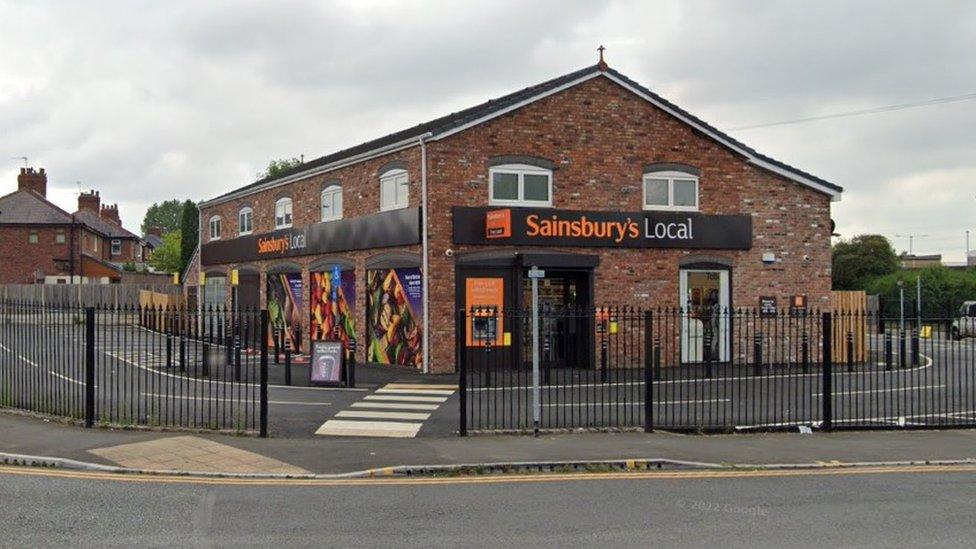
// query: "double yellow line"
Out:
[489,479]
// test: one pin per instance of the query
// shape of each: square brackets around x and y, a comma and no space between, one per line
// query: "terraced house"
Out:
[619,195]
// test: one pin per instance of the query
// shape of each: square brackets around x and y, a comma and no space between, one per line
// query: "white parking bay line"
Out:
[207,398]
[368,414]
[392,429]
[395,406]
[415,391]
[399,398]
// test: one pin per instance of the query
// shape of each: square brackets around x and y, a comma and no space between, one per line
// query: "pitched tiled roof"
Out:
[454,121]
[153,240]
[107,228]
[24,206]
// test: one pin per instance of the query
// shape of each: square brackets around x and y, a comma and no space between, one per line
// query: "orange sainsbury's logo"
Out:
[498,224]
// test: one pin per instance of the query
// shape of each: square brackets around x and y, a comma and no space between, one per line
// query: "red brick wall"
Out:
[600,137]
[20,260]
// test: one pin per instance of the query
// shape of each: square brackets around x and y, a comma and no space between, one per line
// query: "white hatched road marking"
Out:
[409,402]
[338,427]
[414,392]
[395,405]
[368,414]
[400,398]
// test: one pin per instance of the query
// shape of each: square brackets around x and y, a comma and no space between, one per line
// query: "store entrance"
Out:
[564,299]
[705,317]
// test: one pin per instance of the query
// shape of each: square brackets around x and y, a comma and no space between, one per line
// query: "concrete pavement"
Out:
[31,436]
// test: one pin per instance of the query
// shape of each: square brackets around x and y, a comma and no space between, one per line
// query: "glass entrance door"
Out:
[705,320]
[562,319]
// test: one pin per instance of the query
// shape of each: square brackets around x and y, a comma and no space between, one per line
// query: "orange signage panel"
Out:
[498,223]
[484,299]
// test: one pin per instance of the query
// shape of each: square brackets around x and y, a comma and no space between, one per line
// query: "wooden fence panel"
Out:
[850,318]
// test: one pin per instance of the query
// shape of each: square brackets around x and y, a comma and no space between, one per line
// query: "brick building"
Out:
[622,197]
[42,243]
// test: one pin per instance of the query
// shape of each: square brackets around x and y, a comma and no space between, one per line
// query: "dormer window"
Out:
[671,190]
[283,217]
[519,185]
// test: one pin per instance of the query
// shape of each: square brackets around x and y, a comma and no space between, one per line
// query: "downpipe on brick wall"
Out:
[424,251]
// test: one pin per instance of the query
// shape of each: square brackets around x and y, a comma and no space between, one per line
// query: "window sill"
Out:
[397,207]
[331,219]
[520,203]
[671,209]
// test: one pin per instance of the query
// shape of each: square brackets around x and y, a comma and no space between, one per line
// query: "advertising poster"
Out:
[393,307]
[484,301]
[285,308]
[326,366]
[332,306]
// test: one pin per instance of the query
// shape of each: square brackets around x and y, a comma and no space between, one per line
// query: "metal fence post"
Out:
[648,369]
[826,397]
[603,351]
[89,367]
[460,328]
[264,375]
[351,365]
[757,354]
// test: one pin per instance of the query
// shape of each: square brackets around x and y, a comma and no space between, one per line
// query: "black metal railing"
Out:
[146,366]
[713,370]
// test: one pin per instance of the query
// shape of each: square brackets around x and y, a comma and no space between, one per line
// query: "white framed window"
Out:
[245,221]
[332,203]
[283,217]
[116,247]
[59,237]
[215,227]
[94,243]
[32,237]
[394,190]
[674,191]
[519,185]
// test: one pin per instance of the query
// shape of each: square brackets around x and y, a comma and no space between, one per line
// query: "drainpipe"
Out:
[425,263]
[199,259]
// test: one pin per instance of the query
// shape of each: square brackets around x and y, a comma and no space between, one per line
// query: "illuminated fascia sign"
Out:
[548,227]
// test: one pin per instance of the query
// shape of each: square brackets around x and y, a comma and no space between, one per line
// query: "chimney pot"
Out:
[32,181]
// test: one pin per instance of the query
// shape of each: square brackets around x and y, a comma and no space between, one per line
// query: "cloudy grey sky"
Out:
[153,100]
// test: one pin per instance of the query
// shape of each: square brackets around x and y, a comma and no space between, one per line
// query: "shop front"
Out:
[506,242]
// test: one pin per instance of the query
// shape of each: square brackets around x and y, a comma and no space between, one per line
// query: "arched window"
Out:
[670,190]
[394,190]
[245,221]
[214,228]
[519,185]
[332,203]
[283,213]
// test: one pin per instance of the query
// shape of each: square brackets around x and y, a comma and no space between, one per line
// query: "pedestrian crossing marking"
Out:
[395,405]
[400,398]
[399,405]
[338,427]
[414,392]
[369,414]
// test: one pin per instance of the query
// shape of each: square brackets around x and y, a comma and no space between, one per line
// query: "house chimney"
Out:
[89,201]
[111,213]
[31,180]
[157,231]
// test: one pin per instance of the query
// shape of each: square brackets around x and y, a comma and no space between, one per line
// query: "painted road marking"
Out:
[338,427]
[367,414]
[888,390]
[218,399]
[395,405]
[414,392]
[451,388]
[405,398]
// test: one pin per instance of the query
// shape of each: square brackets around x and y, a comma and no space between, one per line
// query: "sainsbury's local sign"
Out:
[548,227]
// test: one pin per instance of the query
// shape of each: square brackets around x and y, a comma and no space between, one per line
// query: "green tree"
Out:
[861,258]
[943,290]
[167,258]
[189,233]
[166,214]
[279,166]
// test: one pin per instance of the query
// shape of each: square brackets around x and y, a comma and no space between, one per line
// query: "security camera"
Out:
[449,252]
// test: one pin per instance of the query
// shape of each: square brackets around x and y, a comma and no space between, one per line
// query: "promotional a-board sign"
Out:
[326,365]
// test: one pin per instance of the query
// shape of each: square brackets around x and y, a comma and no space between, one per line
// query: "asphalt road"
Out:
[901,509]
